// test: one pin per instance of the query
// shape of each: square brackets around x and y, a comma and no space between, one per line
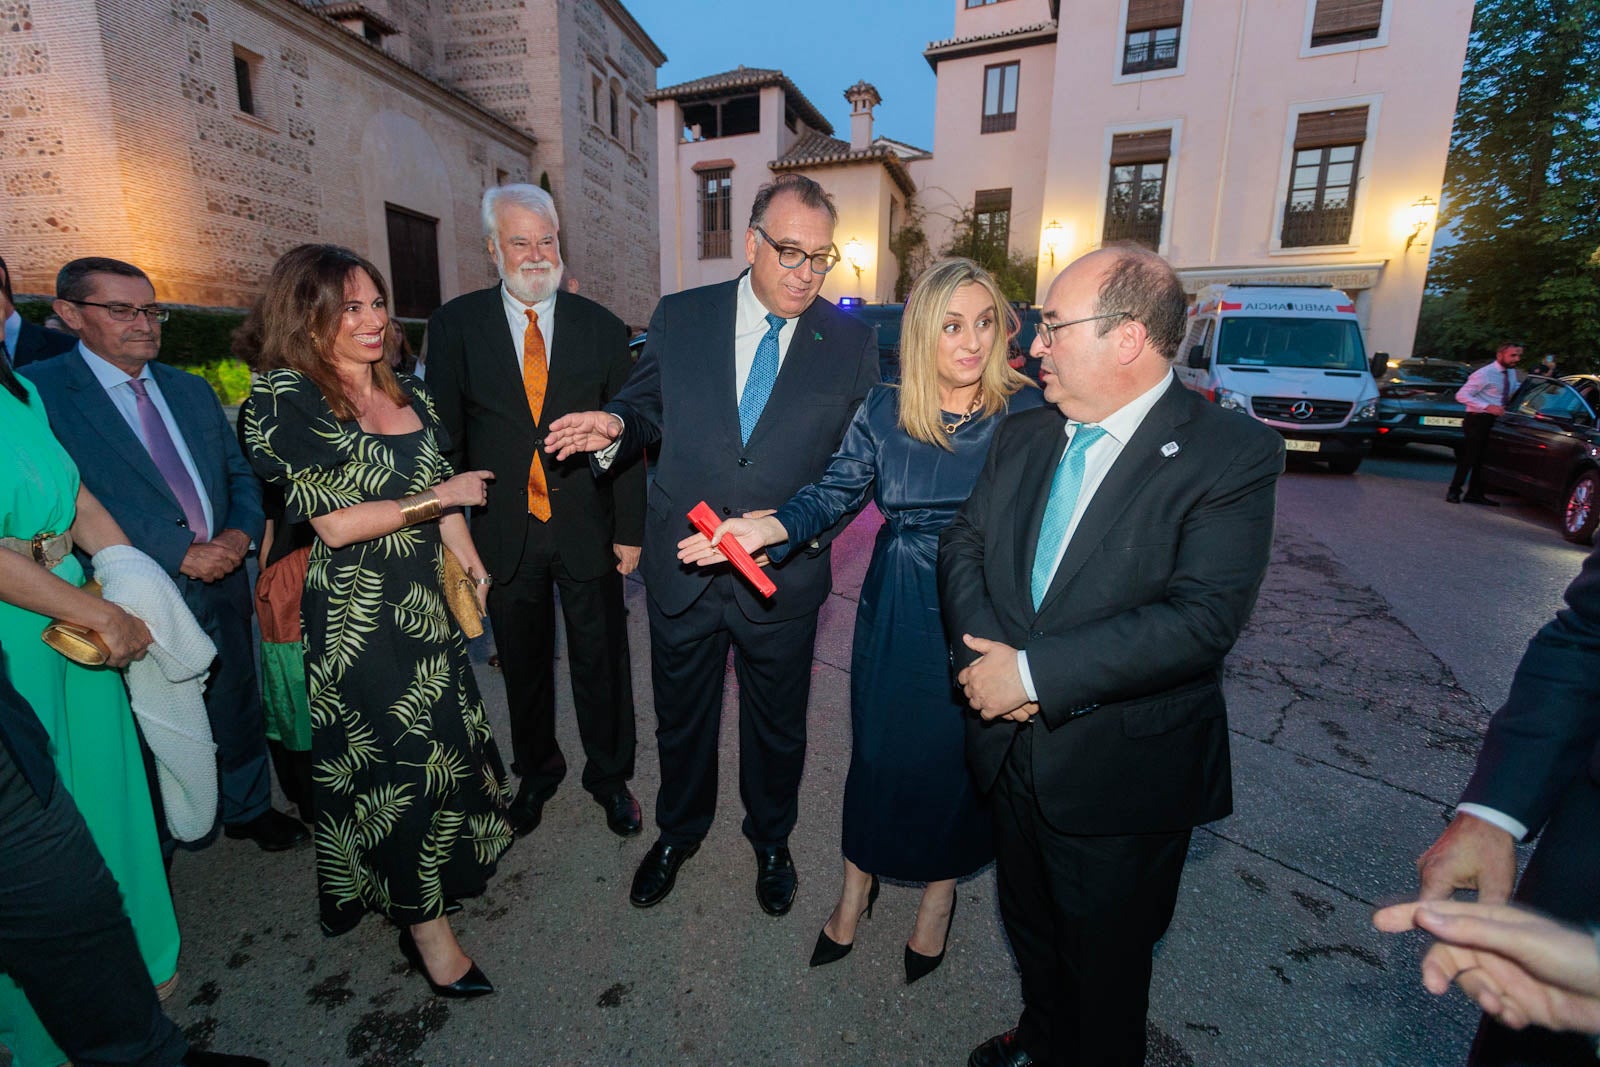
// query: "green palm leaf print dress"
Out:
[409,788]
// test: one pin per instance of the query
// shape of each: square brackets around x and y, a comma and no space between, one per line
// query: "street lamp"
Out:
[1052,237]
[1422,212]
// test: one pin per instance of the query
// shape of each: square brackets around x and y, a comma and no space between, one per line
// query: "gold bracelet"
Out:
[423,507]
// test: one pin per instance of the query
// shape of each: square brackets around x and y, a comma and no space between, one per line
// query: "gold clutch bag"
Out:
[78,643]
[461,596]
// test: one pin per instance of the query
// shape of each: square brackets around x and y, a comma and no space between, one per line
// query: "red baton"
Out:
[705,520]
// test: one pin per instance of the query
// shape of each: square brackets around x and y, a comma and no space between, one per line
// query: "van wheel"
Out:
[1344,464]
[1582,510]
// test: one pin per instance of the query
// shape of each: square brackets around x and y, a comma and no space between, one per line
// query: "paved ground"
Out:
[1388,624]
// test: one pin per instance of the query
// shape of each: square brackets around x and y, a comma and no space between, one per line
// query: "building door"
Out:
[413,262]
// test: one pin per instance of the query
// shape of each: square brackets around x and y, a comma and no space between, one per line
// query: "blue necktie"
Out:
[1059,509]
[763,373]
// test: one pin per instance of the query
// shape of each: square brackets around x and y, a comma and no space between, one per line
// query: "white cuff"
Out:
[605,456]
[1494,818]
[1027,675]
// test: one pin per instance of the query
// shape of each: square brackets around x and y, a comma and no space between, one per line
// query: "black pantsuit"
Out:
[1475,427]
[233,696]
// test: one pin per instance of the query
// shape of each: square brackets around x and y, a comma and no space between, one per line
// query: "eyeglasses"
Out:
[127,312]
[1046,330]
[790,256]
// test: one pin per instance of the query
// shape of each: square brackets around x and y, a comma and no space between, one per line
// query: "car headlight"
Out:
[1367,412]
[1232,401]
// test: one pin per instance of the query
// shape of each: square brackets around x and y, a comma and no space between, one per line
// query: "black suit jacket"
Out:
[683,394]
[24,736]
[1126,649]
[1547,734]
[35,343]
[476,384]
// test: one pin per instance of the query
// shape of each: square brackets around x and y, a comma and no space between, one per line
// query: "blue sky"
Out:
[823,46]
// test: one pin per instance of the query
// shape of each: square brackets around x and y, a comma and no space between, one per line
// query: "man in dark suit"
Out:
[748,386]
[152,443]
[1538,773]
[24,342]
[502,364]
[1091,587]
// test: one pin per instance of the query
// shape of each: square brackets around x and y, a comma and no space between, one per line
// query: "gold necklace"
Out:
[952,427]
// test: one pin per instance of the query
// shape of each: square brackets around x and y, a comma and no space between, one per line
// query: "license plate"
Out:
[1439,420]
[1302,446]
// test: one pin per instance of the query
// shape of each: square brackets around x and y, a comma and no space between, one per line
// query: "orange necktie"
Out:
[535,373]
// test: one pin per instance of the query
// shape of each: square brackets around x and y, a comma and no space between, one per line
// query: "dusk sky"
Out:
[824,46]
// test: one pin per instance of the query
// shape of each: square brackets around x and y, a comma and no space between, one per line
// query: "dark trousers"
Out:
[772,662]
[1563,879]
[523,613]
[233,696]
[1083,915]
[65,939]
[1469,454]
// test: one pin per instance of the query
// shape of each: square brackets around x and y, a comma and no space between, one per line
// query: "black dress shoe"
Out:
[827,949]
[1453,496]
[1485,501]
[471,984]
[526,811]
[775,879]
[1001,1050]
[197,1058]
[658,871]
[920,966]
[272,830]
[622,812]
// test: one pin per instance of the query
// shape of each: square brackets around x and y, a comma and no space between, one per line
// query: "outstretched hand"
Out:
[581,431]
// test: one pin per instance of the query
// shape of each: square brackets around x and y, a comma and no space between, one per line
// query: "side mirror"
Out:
[1380,364]
[1197,358]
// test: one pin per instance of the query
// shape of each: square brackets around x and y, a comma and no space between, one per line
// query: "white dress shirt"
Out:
[517,320]
[1495,818]
[1486,387]
[13,330]
[116,384]
[749,327]
[1119,428]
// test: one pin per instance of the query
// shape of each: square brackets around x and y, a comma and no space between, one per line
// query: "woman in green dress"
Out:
[85,711]
[409,790]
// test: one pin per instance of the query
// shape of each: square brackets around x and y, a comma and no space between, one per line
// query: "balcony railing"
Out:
[1141,230]
[1005,120]
[1311,226]
[1142,56]
[715,244]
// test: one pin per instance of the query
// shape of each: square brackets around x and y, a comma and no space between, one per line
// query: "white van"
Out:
[1290,356]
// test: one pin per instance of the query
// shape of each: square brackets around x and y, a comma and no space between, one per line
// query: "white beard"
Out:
[530,284]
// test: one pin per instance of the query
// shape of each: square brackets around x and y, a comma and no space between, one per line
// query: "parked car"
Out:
[885,322]
[1021,353]
[1546,447]
[1417,402]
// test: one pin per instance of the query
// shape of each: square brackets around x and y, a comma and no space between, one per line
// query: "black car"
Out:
[1417,402]
[1546,447]
[885,322]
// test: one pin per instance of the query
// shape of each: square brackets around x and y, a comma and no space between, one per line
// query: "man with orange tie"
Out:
[503,363]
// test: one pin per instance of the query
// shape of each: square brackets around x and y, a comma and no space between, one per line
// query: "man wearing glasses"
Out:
[152,443]
[749,386]
[1107,559]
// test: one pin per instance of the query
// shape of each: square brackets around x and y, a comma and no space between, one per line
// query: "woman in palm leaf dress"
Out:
[409,788]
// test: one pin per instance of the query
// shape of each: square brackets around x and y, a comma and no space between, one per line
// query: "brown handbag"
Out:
[80,644]
[461,596]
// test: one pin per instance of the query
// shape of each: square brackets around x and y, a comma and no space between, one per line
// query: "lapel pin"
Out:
[815,336]
[1169,449]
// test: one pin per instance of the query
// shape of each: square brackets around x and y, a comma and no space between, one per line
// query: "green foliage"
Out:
[1521,184]
[228,378]
[1448,329]
[1016,273]
[910,247]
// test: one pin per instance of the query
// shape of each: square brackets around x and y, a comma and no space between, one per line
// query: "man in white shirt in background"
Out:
[1485,395]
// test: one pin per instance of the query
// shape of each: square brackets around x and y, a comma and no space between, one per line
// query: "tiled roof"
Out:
[747,78]
[357,11]
[905,151]
[952,47]
[817,150]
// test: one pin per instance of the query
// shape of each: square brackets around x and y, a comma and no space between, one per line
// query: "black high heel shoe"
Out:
[830,951]
[920,966]
[471,984]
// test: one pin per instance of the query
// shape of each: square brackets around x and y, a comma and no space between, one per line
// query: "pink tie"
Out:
[168,462]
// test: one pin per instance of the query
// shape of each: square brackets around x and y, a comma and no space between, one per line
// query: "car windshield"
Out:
[1431,373]
[1316,344]
[884,320]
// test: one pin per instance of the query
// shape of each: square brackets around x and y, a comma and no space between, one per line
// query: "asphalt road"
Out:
[1387,628]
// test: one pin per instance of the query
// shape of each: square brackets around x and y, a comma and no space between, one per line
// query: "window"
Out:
[244,82]
[594,97]
[633,130]
[1137,189]
[413,261]
[722,118]
[981,3]
[501,176]
[1322,185]
[1154,30]
[1344,21]
[616,130]
[1552,400]
[1000,97]
[991,219]
[716,213]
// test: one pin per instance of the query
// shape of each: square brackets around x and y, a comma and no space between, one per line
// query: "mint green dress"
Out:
[86,714]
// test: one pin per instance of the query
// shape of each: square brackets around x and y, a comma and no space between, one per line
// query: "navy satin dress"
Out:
[910,809]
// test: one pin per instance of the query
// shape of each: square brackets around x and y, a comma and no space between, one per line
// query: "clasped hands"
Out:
[213,560]
[993,682]
[754,530]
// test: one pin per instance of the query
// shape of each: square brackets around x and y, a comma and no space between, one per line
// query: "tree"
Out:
[1015,272]
[1523,178]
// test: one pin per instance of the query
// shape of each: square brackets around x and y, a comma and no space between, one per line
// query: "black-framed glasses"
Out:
[791,256]
[128,312]
[1046,330]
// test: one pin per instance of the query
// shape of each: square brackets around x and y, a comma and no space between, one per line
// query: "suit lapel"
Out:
[494,355]
[1140,459]
[96,412]
[722,316]
[1033,491]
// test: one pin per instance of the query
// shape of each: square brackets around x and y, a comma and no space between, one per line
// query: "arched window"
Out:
[616,121]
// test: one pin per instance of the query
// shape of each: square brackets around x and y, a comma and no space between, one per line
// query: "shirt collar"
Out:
[752,313]
[13,330]
[105,373]
[1122,423]
[517,309]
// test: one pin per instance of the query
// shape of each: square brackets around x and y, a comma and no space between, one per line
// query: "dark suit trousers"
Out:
[772,662]
[65,939]
[523,613]
[233,696]
[1083,915]
[1563,878]
[1469,454]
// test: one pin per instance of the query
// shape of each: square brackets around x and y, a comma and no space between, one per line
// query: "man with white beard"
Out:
[503,363]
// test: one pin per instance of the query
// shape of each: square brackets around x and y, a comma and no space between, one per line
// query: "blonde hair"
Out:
[919,350]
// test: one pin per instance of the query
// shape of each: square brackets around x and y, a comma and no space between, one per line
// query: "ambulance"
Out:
[1292,357]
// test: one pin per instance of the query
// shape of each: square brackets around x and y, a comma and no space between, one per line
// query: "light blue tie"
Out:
[763,373]
[1059,509]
